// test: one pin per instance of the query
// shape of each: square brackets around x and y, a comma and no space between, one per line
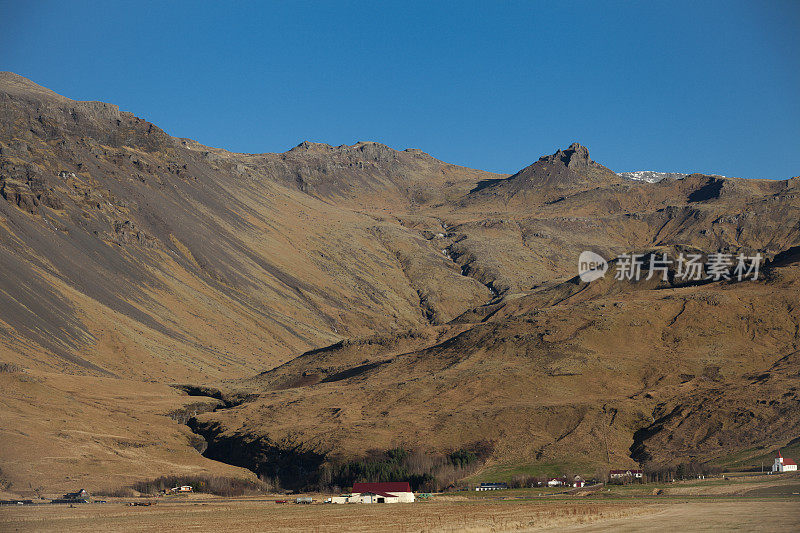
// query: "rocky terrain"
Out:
[359,298]
[650,176]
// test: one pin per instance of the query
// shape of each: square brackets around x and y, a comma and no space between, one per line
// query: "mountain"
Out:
[302,309]
[106,215]
[569,374]
[566,169]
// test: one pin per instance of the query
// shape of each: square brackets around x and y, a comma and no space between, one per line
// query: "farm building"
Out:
[80,495]
[491,486]
[620,474]
[783,464]
[182,488]
[389,492]
[377,497]
[564,481]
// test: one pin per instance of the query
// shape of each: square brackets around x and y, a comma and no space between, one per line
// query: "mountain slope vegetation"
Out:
[330,301]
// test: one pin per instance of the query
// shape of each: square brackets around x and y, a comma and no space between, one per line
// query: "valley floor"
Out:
[448,513]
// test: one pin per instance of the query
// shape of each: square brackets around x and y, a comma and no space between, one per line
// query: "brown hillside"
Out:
[360,297]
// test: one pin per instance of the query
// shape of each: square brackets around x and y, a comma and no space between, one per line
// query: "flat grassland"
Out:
[748,503]
[260,516]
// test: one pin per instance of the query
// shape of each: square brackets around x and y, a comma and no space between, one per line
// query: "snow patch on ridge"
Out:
[651,176]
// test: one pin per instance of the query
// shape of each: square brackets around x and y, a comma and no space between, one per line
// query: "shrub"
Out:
[521,481]
[219,485]
[10,368]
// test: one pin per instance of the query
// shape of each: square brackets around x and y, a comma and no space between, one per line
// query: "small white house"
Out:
[631,473]
[783,465]
[182,488]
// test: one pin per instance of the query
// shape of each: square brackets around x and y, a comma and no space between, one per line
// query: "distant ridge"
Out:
[651,176]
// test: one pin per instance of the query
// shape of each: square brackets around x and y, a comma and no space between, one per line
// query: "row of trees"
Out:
[423,470]
[651,474]
[219,485]
[686,470]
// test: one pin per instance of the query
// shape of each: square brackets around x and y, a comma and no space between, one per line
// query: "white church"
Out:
[783,465]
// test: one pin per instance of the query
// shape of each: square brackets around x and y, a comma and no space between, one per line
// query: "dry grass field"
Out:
[751,515]
[253,515]
[615,510]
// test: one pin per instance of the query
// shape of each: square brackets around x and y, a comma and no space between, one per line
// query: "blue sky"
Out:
[674,86]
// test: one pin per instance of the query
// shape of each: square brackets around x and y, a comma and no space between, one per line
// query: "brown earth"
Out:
[432,305]
[267,516]
[780,515]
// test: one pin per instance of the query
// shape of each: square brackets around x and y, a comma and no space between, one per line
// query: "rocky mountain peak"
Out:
[54,117]
[309,146]
[570,168]
[19,86]
[576,157]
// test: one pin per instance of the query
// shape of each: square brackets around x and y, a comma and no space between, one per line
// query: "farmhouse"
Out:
[80,495]
[620,474]
[563,481]
[783,464]
[389,492]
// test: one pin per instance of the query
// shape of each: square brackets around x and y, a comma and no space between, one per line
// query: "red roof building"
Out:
[389,486]
[783,464]
[386,492]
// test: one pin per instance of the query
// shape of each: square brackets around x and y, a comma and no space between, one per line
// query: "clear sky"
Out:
[674,86]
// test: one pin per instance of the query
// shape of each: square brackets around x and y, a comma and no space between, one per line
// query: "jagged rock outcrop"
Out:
[570,169]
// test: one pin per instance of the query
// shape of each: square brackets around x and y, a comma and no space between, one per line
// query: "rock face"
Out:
[18,194]
[118,206]
[438,300]
[58,118]
[580,169]
[20,186]
[576,157]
